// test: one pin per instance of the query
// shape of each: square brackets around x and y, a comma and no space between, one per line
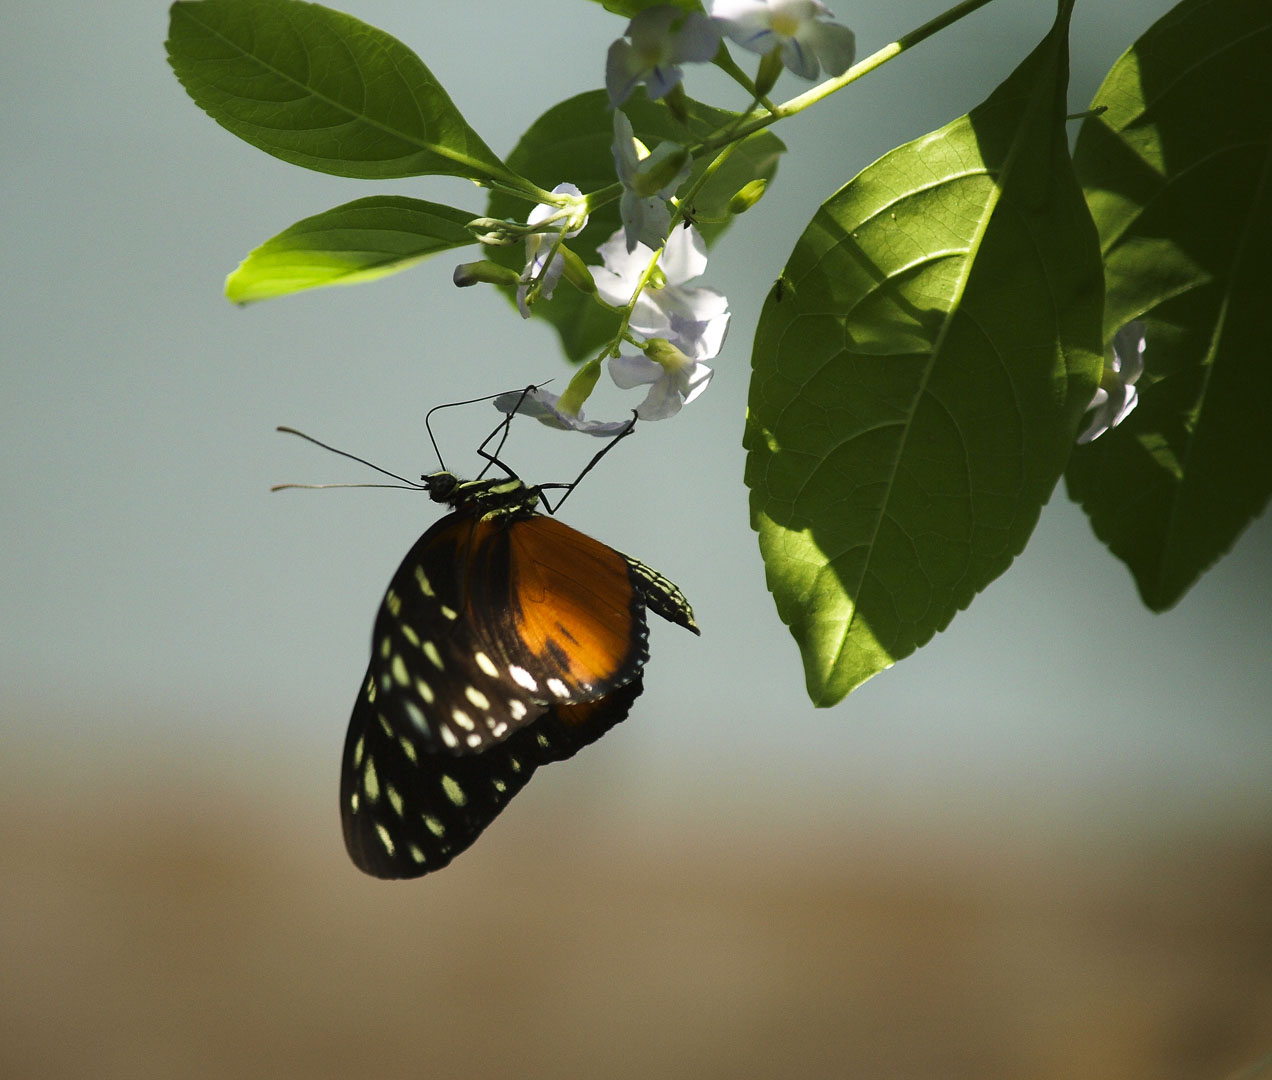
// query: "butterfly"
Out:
[506,640]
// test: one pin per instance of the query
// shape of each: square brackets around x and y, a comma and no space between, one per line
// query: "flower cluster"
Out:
[647,264]
[662,38]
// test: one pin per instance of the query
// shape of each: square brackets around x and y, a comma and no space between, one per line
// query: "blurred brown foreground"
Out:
[157,927]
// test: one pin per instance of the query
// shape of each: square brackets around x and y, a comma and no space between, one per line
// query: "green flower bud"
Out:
[659,170]
[471,273]
[576,271]
[747,197]
[770,69]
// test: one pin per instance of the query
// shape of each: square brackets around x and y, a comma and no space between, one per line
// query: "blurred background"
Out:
[1040,847]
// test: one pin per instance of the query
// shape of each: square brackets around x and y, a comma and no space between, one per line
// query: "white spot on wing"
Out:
[486,664]
[398,670]
[371,782]
[478,699]
[434,657]
[385,838]
[522,677]
[416,714]
[453,791]
[462,719]
[559,688]
[408,748]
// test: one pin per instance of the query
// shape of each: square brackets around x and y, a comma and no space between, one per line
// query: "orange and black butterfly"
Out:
[506,640]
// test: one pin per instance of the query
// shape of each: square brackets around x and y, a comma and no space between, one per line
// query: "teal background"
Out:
[157,596]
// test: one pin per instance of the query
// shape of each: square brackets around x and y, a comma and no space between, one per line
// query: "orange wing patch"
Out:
[575,605]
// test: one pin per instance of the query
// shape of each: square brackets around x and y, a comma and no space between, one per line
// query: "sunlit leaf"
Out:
[321,89]
[356,242]
[919,374]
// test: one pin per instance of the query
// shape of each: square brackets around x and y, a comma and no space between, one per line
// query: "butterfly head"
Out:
[441,486]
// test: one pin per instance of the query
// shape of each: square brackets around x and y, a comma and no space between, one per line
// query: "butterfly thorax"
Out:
[501,498]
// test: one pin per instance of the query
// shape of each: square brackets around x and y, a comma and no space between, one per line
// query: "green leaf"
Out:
[918,376]
[321,89]
[1178,175]
[632,8]
[571,142]
[359,241]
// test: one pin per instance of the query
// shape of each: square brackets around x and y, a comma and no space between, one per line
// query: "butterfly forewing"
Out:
[487,620]
[563,608]
[407,811]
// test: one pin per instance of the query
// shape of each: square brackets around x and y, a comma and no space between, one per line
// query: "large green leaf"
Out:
[321,89]
[918,377]
[1178,175]
[571,142]
[359,241]
[632,8]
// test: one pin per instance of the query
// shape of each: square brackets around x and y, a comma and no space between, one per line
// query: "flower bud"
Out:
[660,169]
[770,69]
[582,385]
[494,232]
[666,355]
[677,103]
[471,273]
[576,271]
[747,197]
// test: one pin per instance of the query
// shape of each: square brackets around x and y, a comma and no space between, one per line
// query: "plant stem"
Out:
[876,59]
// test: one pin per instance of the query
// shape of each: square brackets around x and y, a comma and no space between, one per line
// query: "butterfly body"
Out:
[506,640]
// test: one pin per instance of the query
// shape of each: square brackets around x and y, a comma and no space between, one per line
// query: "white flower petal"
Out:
[1115,399]
[542,405]
[661,403]
[835,46]
[685,256]
[799,59]
[630,371]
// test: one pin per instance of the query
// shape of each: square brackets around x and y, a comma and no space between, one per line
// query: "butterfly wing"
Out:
[407,811]
[488,621]
[563,610]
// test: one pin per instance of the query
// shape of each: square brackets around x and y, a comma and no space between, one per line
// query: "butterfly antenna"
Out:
[502,430]
[343,453]
[470,401]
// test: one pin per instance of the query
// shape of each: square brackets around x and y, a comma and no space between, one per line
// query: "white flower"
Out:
[1116,395]
[674,379]
[695,320]
[649,180]
[808,42]
[544,406]
[540,245]
[662,38]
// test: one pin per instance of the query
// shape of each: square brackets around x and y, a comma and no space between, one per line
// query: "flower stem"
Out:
[876,59]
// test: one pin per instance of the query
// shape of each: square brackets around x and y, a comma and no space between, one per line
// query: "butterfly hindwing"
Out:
[407,811]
